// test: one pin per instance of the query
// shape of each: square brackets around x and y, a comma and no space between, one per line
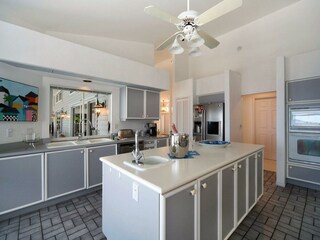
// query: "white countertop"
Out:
[178,172]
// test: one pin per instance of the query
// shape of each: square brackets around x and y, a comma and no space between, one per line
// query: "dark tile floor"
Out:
[282,213]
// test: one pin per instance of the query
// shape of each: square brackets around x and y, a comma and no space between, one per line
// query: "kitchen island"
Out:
[204,197]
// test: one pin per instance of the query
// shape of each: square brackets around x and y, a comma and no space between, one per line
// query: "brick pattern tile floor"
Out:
[282,213]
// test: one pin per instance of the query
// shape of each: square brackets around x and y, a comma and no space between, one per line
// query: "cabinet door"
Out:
[65,172]
[21,181]
[227,200]
[242,188]
[162,143]
[135,103]
[180,215]
[259,173]
[209,208]
[95,165]
[252,180]
[304,90]
[152,104]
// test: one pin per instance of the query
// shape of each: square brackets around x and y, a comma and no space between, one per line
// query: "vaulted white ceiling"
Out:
[125,19]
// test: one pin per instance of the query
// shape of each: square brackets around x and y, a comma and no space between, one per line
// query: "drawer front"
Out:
[307,174]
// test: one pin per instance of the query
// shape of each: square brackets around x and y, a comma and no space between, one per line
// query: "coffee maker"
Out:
[151,129]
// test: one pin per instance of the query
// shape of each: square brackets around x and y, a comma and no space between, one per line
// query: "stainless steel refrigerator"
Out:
[208,122]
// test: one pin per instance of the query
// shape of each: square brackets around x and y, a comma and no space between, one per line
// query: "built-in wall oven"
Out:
[304,134]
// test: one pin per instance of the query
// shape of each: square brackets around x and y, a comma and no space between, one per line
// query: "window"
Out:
[58,96]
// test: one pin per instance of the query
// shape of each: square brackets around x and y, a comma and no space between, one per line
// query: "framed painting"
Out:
[18,101]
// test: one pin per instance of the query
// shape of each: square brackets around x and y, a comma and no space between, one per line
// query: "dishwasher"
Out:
[127,147]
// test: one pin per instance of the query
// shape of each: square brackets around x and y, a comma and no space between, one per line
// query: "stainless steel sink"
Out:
[100,140]
[78,142]
[148,163]
[60,144]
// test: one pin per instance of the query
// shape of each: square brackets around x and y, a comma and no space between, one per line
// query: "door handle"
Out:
[204,185]
[193,192]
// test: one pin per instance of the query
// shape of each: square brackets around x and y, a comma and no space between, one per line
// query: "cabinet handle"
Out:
[81,152]
[90,150]
[204,185]
[259,155]
[233,169]
[193,192]
[239,166]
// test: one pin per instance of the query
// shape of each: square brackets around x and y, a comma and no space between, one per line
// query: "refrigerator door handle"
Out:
[203,124]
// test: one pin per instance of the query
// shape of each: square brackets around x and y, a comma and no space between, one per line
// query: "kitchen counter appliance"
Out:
[127,147]
[151,129]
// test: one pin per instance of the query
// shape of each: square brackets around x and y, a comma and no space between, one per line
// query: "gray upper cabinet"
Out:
[139,104]
[180,214]
[209,208]
[21,181]
[64,172]
[95,165]
[303,90]
[152,104]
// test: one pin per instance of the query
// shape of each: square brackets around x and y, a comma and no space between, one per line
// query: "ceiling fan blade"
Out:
[217,11]
[209,41]
[159,13]
[167,42]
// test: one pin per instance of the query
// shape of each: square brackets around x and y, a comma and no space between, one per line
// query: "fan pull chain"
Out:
[188,5]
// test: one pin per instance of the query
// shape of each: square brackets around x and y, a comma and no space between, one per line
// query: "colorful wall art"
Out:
[18,101]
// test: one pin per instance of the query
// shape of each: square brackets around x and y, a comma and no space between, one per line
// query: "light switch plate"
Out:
[9,132]
[135,191]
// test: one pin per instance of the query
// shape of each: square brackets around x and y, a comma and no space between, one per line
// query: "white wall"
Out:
[20,128]
[210,85]
[136,51]
[287,32]
[25,46]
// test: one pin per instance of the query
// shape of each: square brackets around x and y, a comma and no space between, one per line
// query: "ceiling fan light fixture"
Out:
[194,52]
[196,40]
[176,48]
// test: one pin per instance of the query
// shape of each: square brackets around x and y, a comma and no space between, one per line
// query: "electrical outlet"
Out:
[9,132]
[135,191]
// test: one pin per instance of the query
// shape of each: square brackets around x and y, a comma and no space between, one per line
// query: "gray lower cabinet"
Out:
[227,200]
[209,208]
[252,180]
[242,188]
[95,165]
[180,213]
[21,181]
[162,142]
[64,172]
[259,173]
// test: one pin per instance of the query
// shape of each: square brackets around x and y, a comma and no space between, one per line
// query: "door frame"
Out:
[249,105]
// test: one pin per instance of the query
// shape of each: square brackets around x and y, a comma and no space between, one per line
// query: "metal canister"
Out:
[178,145]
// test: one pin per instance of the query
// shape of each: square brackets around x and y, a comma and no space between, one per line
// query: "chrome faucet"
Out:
[137,155]
[80,135]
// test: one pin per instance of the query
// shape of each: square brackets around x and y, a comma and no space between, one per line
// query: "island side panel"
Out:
[122,216]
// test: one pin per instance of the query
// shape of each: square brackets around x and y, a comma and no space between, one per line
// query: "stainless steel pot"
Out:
[178,145]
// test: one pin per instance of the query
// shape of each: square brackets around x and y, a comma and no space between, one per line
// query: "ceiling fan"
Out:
[189,23]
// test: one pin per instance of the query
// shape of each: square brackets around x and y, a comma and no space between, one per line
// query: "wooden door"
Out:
[265,125]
